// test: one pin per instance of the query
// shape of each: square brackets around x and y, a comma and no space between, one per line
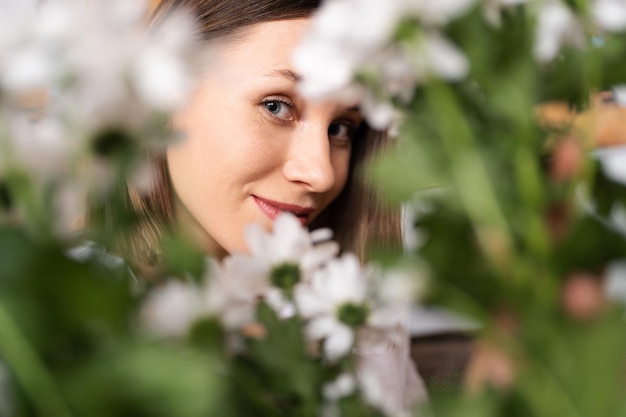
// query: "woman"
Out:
[253,147]
[278,150]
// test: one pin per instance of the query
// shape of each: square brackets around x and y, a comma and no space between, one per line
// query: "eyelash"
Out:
[344,141]
[281,101]
[347,138]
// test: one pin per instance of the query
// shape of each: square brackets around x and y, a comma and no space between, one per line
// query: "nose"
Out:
[309,159]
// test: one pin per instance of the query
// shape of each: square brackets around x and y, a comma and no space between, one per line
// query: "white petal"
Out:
[318,255]
[290,238]
[613,162]
[555,22]
[27,69]
[321,235]
[256,238]
[279,303]
[161,80]
[170,310]
[311,304]
[610,14]
[445,59]
[344,281]
[338,343]
[615,280]
[380,114]
[325,68]
[235,316]
[343,386]
[321,327]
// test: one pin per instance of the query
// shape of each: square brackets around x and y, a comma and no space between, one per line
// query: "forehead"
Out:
[262,47]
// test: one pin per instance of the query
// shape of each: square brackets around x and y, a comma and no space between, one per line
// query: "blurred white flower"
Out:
[162,79]
[39,146]
[325,68]
[443,58]
[170,310]
[613,162]
[610,15]
[101,83]
[388,378]
[232,290]
[557,25]
[26,69]
[351,37]
[394,293]
[342,386]
[380,114]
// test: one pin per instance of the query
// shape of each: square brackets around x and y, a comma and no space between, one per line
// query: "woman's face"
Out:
[253,147]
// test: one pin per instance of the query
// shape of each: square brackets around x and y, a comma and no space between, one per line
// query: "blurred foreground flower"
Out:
[334,301]
[84,92]
[353,38]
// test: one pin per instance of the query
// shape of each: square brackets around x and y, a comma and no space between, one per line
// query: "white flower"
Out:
[170,310]
[161,79]
[289,242]
[350,37]
[610,14]
[325,68]
[232,290]
[27,69]
[380,114]
[342,386]
[395,292]
[41,147]
[556,25]
[334,301]
[613,163]
[286,257]
[349,306]
[443,58]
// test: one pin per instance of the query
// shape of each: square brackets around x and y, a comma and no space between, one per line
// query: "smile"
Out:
[273,208]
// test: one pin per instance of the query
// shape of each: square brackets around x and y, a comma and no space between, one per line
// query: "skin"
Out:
[253,145]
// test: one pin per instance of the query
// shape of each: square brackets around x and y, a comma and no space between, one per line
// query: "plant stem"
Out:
[29,370]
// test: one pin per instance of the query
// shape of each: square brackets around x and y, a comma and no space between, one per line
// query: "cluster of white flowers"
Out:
[345,307]
[355,51]
[355,37]
[80,81]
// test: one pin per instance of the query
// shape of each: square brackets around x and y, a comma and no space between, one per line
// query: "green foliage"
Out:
[503,237]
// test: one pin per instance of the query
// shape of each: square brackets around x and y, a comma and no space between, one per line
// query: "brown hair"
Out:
[356,216]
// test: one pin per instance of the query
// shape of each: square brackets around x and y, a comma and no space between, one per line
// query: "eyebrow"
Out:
[285,73]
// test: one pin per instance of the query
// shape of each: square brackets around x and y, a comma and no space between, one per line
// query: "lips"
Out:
[273,208]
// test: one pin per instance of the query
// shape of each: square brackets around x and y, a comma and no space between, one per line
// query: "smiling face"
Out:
[252,146]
